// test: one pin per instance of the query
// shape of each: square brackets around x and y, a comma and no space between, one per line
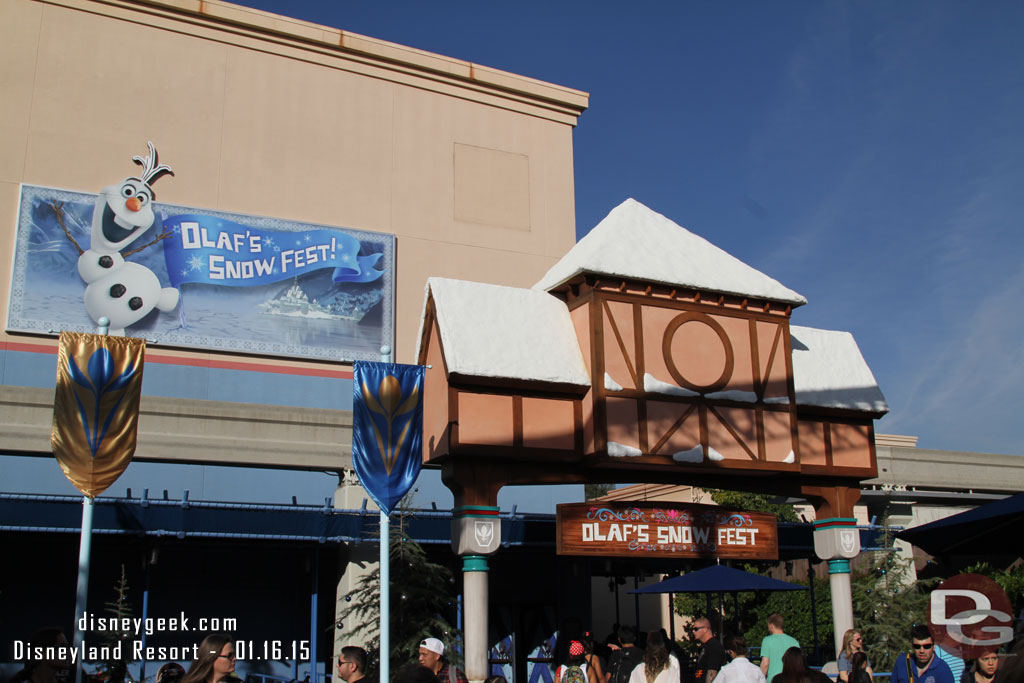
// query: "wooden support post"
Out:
[475,487]
[837,540]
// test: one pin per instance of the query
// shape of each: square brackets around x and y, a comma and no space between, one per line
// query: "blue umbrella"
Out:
[719,579]
[985,530]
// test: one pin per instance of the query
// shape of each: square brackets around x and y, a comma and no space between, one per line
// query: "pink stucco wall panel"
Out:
[812,442]
[661,417]
[851,445]
[548,423]
[485,419]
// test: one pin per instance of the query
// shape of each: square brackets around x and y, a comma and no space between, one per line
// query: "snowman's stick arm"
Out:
[162,236]
[58,211]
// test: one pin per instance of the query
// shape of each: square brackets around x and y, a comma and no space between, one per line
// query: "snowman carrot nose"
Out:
[133,203]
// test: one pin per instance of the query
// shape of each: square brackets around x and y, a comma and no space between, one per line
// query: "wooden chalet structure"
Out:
[645,354]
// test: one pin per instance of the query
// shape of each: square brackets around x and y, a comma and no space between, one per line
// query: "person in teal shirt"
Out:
[774,646]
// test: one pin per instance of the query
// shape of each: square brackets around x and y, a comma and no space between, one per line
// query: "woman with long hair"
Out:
[594,660]
[216,660]
[859,672]
[794,668]
[853,642]
[658,666]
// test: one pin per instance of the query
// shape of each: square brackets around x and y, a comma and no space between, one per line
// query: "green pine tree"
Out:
[887,603]
[422,602]
[119,608]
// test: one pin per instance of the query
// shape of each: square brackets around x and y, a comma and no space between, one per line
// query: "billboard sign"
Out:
[643,529]
[199,279]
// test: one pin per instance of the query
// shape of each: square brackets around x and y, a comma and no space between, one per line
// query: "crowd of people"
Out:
[781,660]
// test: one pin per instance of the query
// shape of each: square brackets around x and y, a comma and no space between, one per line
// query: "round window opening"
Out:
[702,347]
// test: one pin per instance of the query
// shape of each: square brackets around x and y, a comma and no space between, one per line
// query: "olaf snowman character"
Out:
[122,291]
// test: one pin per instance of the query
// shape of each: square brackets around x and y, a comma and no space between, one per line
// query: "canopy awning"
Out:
[719,579]
[987,530]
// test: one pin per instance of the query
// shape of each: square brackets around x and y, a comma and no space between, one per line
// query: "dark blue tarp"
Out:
[991,529]
[719,579]
[184,519]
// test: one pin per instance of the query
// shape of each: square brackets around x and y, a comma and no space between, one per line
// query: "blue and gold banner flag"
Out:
[387,429]
[96,407]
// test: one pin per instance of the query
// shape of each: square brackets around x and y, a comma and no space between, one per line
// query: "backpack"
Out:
[623,662]
[574,674]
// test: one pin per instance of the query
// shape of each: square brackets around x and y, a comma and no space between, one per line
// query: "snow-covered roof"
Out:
[830,372]
[527,334]
[506,332]
[635,242]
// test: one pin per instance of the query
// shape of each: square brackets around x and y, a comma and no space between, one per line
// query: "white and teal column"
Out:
[476,533]
[837,540]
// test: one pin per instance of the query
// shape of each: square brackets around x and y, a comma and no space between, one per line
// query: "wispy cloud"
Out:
[903,219]
[960,390]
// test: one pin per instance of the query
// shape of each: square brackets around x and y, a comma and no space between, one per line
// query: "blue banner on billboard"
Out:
[201,279]
[387,429]
[217,251]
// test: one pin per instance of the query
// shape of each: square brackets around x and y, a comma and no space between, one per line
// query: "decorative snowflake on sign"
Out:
[195,263]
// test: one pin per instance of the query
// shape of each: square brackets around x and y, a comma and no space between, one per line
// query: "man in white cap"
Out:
[431,656]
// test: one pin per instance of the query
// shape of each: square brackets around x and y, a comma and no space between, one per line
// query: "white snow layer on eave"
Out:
[635,242]
[506,332]
[829,371]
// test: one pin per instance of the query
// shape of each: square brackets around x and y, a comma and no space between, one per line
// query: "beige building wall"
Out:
[471,168]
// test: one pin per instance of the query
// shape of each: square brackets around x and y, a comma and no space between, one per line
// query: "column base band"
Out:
[474,563]
[838,566]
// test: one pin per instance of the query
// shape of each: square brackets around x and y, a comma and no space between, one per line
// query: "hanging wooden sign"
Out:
[632,529]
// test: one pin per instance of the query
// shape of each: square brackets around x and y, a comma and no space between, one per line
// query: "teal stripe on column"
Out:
[838,566]
[474,563]
[476,509]
[835,521]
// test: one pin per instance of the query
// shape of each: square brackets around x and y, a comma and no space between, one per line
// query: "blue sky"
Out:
[869,155]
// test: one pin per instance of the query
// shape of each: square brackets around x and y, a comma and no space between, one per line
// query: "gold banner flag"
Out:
[96,407]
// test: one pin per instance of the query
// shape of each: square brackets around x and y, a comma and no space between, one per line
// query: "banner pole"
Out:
[385,576]
[85,553]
